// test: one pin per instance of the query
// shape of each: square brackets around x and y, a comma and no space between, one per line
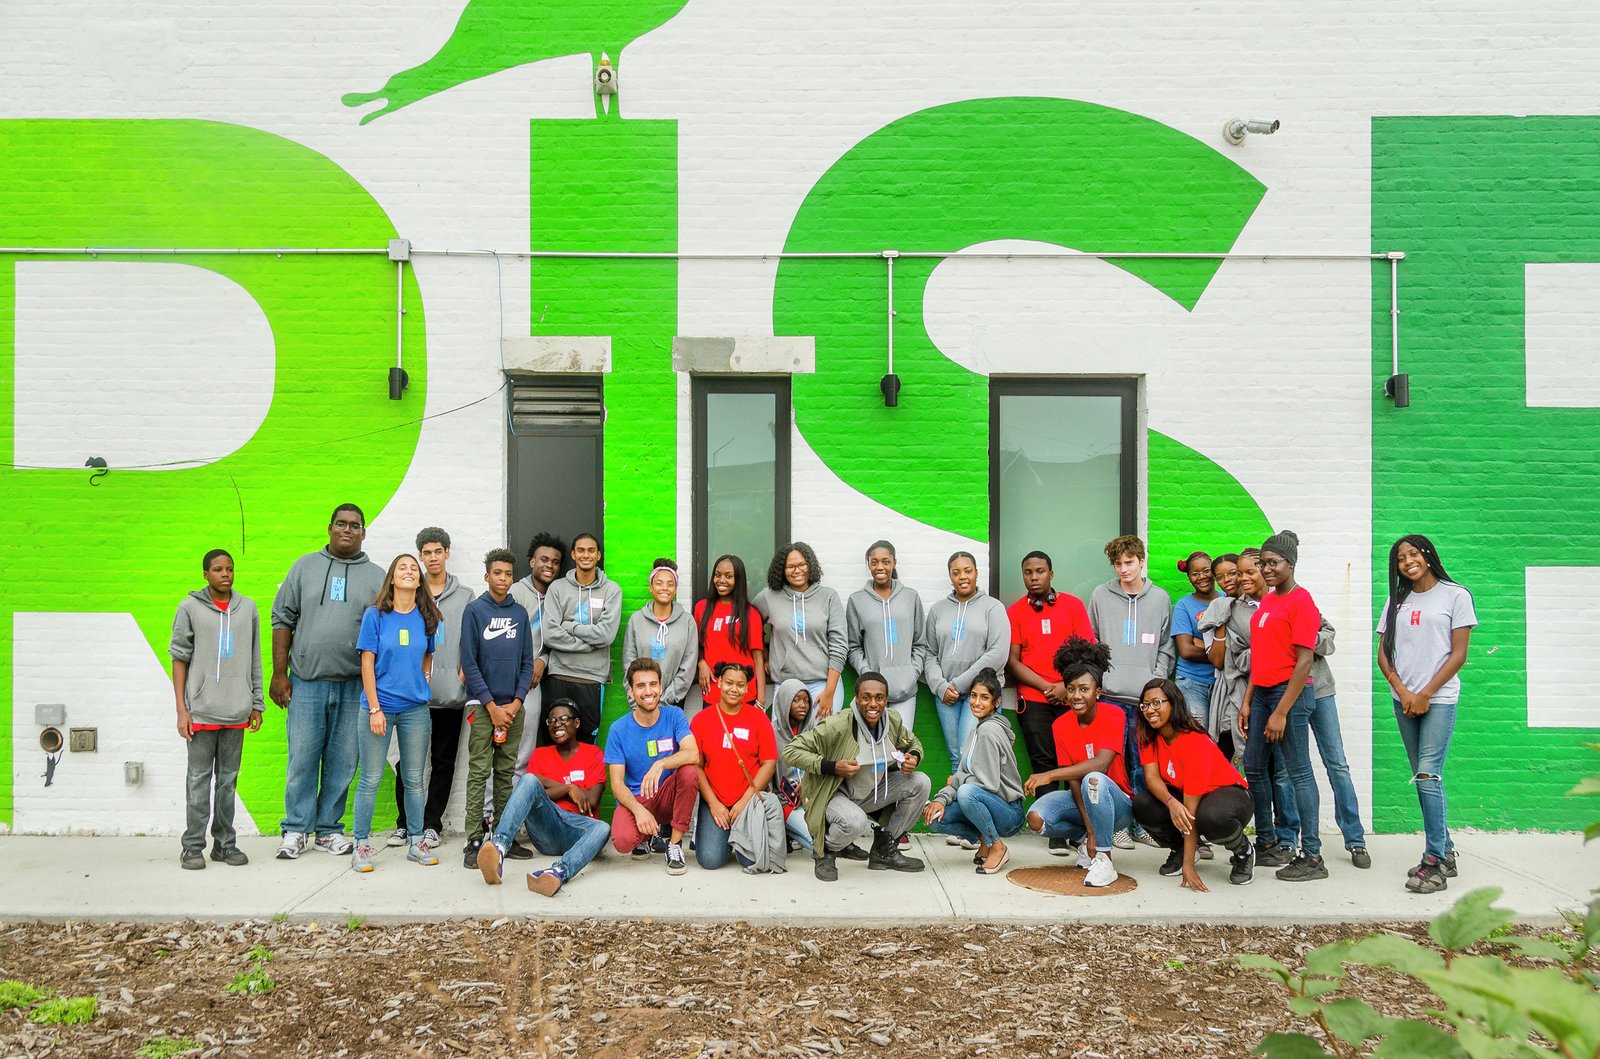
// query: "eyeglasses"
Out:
[1151,704]
[1269,564]
[551,722]
[342,524]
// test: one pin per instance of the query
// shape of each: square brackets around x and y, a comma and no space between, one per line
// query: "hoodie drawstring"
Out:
[1130,624]
[958,628]
[224,639]
[797,614]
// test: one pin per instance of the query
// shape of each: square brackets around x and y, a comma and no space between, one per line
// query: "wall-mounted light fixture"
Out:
[1398,386]
[132,773]
[1236,130]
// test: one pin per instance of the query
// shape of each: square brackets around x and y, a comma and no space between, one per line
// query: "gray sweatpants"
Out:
[904,795]
[213,759]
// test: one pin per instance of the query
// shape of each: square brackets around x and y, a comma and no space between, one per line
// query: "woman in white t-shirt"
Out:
[1423,636]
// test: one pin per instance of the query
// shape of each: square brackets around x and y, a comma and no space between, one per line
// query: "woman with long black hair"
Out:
[1423,636]
[730,631]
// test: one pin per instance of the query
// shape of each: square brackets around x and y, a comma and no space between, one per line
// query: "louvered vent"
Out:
[560,403]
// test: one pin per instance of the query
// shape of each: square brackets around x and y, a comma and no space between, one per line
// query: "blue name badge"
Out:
[658,650]
[336,590]
[225,645]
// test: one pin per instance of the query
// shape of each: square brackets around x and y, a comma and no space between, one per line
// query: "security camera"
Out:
[1236,130]
[605,77]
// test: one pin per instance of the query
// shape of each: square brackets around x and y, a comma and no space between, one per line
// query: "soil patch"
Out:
[624,989]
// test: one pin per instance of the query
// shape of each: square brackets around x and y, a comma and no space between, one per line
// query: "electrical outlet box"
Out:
[399,249]
[48,714]
[83,740]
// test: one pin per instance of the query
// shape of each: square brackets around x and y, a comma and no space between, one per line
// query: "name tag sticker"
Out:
[742,733]
[1044,627]
[597,604]
[575,776]
[336,590]
[664,746]
[405,637]
[1147,638]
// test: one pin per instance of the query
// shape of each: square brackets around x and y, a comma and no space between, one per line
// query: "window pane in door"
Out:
[741,469]
[1060,471]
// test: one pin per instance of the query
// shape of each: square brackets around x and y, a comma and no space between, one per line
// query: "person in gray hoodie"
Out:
[884,626]
[316,676]
[216,682]
[793,714]
[447,696]
[664,631]
[966,632]
[805,626]
[981,803]
[582,614]
[545,554]
[1133,615]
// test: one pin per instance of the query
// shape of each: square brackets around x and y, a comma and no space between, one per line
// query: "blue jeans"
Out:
[957,722]
[411,729]
[1130,743]
[814,689]
[1427,741]
[1294,751]
[795,824]
[711,845]
[1197,696]
[574,839]
[979,815]
[1110,810]
[1330,747]
[321,730]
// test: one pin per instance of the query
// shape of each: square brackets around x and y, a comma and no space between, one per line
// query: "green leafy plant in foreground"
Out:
[65,1011]
[15,994]
[255,980]
[354,922]
[167,1047]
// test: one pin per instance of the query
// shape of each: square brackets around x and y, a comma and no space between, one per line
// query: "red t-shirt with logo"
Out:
[1281,624]
[749,738]
[1077,743]
[1040,632]
[721,642]
[1191,763]
[585,768]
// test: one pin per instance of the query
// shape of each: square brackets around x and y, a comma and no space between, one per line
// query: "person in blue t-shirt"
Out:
[654,768]
[1195,673]
[396,648]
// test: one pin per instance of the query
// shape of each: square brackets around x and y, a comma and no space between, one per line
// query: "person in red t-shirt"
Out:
[1276,716]
[1041,622]
[557,801]
[738,757]
[1192,792]
[730,631]
[1089,741]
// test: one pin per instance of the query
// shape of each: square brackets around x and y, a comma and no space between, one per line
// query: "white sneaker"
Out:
[294,844]
[1084,860]
[953,840]
[1123,839]
[398,837]
[335,843]
[430,838]
[1101,871]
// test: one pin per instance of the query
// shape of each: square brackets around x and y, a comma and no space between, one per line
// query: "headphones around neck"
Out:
[1039,604]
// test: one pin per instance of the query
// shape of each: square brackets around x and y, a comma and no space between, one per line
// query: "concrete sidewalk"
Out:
[64,878]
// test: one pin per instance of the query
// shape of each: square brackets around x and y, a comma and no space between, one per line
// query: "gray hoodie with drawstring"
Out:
[1138,628]
[223,651]
[580,623]
[964,638]
[885,635]
[805,632]
[989,759]
[674,644]
[322,599]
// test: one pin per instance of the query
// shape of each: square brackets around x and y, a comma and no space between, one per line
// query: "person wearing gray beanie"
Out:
[1285,543]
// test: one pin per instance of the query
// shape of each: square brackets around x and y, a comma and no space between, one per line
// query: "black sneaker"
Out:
[469,853]
[1173,865]
[519,852]
[641,851]
[192,860]
[1273,856]
[1060,847]
[233,856]
[1429,877]
[1447,865]
[826,869]
[658,844]
[1360,857]
[1303,869]
[1242,867]
[675,864]
[853,852]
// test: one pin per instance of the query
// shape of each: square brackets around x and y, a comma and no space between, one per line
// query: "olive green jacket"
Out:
[834,739]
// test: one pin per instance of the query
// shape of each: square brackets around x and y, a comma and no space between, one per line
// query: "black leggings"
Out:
[1220,817]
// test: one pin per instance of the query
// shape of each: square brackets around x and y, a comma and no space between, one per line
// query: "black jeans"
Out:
[445,741]
[1220,818]
[1037,719]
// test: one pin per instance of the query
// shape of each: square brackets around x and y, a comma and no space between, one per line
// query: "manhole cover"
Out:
[1068,880]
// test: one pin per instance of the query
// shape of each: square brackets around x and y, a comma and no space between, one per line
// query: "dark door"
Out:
[553,456]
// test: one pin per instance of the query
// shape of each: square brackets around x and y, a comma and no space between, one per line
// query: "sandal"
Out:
[994,869]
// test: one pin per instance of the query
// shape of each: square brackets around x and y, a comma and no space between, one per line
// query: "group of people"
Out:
[1179,726]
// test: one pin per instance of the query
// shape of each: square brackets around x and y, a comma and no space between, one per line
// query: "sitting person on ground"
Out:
[982,802]
[738,756]
[1099,800]
[793,713]
[861,777]
[556,800]
[1192,793]
[654,769]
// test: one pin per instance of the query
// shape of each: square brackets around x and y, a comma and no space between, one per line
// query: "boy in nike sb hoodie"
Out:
[216,682]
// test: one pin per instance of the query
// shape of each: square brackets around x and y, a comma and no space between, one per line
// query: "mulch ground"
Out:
[618,990]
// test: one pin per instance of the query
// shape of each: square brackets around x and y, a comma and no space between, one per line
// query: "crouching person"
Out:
[739,754]
[982,801]
[653,765]
[1192,793]
[860,772]
[556,800]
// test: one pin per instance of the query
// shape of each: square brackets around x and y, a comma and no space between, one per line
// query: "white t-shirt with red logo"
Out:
[1424,623]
